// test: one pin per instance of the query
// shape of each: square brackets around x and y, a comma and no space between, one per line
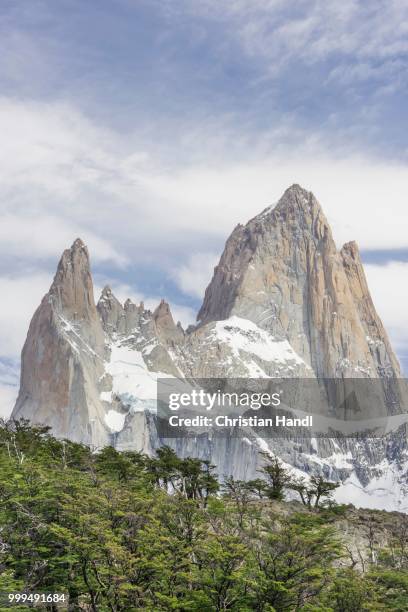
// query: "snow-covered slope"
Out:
[248,342]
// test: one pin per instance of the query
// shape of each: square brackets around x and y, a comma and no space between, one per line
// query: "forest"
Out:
[121,531]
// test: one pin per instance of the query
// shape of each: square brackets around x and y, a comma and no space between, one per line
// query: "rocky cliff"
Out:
[283,302]
[63,356]
[283,272]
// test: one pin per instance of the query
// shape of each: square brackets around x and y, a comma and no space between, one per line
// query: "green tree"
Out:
[316,493]
[122,532]
[294,562]
[277,476]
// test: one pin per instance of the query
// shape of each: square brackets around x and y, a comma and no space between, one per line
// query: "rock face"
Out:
[166,329]
[63,356]
[378,342]
[283,272]
[283,302]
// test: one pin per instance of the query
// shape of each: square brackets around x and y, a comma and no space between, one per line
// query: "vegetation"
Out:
[122,532]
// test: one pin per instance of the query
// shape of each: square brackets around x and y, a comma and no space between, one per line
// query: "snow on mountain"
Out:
[133,384]
[387,491]
[244,336]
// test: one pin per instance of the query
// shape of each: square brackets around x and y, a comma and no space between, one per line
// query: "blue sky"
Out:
[156,67]
[151,128]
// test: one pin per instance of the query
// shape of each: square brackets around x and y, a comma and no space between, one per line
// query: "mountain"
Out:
[282,270]
[63,355]
[283,302]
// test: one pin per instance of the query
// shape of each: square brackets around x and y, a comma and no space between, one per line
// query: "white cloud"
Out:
[9,381]
[51,146]
[9,372]
[355,51]
[389,287]
[8,396]
[352,30]
[19,299]
[364,199]
[34,237]
[184,314]
[194,276]
[51,160]
[63,177]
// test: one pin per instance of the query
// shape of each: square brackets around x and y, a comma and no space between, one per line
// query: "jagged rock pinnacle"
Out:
[106,291]
[297,192]
[162,309]
[78,244]
[166,328]
[72,288]
[351,249]
[301,212]
[299,200]
[63,354]
[283,230]
[110,309]
[295,201]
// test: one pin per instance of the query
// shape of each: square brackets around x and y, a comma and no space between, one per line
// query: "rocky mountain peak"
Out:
[295,203]
[350,249]
[110,310]
[75,257]
[106,293]
[63,354]
[298,211]
[299,198]
[166,328]
[72,288]
[375,333]
[282,271]
[162,310]
[286,233]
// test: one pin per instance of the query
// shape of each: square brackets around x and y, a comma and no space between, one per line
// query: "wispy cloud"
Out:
[9,381]
[389,287]
[43,237]
[20,297]
[164,66]
[311,31]
[193,276]
[62,176]
[8,396]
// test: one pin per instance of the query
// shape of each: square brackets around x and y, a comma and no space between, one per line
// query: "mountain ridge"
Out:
[282,302]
